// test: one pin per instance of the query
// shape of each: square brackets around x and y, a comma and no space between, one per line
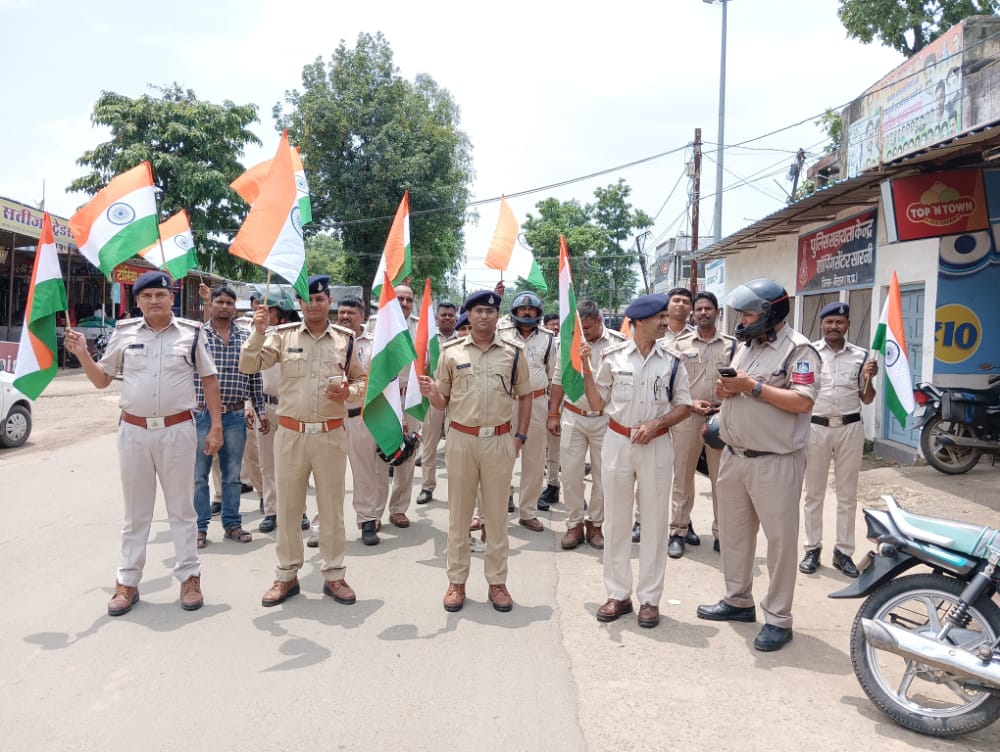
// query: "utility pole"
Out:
[695,202]
[795,172]
[641,253]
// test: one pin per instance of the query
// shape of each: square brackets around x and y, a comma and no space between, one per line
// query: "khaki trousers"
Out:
[265,456]
[552,452]
[478,463]
[250,471]
[532,458]
[634,472]
[325,456]
[402,487]
[144,456]
[844,445]
[753,493]
[370,473]
[581,434]
[687,450]
[430,435]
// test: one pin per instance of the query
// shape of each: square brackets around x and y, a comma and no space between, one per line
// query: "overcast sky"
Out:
[548,91]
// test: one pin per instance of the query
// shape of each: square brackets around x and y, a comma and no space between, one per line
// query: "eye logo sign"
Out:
[941,206]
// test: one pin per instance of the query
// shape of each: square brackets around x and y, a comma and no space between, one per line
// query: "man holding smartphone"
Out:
[705,352]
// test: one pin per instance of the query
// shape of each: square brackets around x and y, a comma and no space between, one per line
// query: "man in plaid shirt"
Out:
[223,339]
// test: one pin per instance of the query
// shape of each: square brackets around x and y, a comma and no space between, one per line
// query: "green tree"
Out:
[603,262]
[194,148]
[907,26]
[367,135]
[325,255]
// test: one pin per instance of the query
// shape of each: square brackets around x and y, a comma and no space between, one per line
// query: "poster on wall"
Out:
[839,255]
[935,204]
[968,306]
[715,278]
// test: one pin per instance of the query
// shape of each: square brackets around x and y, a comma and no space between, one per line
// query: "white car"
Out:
[15,410]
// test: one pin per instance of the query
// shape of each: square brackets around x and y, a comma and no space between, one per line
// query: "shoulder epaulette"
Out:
[727,337]
[129,322]
[452,342]
[286,327]
[618,346]
[342,330]
[512,343]
[686,334]
[189,322]
[615,334]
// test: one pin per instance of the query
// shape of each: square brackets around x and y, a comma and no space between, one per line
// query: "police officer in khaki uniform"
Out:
[837,433]
[643,389]
[581,430]
[478,378]
[157,356]
[550,495]
[319,372]
[764,421]
[270,378]
[703,351]
[538,344]
[433,425]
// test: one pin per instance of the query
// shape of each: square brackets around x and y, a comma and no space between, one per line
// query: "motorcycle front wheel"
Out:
[919,697]
[952,460]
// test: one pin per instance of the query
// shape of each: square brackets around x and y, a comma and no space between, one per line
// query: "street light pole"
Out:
[717,234]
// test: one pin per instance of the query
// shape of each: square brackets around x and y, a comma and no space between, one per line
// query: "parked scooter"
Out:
[958,425]
[926,647]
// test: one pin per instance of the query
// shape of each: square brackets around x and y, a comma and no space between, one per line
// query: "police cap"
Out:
[646,306]
[463,320]
[482,298]
[156,279]
[835,309]
[319,283]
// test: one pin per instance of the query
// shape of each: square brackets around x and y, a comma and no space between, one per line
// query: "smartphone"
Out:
[335,380]
[727,372]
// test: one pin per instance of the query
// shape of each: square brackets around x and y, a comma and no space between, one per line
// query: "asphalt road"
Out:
[395,671]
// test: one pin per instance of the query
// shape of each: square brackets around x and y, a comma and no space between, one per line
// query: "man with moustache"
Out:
[433,425]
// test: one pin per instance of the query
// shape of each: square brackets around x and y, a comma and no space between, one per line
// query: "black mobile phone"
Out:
[728,372]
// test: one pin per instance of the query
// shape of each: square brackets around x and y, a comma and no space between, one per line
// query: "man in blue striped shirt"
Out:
[223,339]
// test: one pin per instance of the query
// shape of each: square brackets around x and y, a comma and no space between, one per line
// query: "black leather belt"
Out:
[751,453]
[836,420]
[271,399]
[353,412]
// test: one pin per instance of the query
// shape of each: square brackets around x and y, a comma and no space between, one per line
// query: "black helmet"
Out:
[410,443]
[765,297]
[710,433]
[526,298]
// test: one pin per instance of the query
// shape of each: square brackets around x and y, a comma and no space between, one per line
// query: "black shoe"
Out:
[716,546]
[810,562]
[843,562]
[691,538]
[260,505]
[636,529]
[268,524]
[722,611]
[216,508]
[772,638]
[586,468]
[368,535]
[305,522]
[425,497]
[246,488]
[510,503]
[675,547]
[417,463]
[549,497]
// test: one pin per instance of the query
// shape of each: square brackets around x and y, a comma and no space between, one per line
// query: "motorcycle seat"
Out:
[964,537]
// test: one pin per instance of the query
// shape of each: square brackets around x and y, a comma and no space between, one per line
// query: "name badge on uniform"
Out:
[691,355]
[803,373]
[463,365]
[294,349]
[136,347]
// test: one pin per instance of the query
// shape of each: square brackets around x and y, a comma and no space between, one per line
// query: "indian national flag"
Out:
[392,349]
[36,355]
[119,221]
[570,336]
[175,251]
[507,255]
[248,184]
[428,350]
[271,235]
[891,342]
[395,261]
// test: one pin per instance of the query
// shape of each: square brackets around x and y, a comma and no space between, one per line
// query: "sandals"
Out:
[202,538]
[238,534]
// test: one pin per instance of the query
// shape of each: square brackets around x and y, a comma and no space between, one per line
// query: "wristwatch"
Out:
[755,392]
[522,437]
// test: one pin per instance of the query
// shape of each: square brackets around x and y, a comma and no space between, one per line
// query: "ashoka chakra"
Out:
[120,213]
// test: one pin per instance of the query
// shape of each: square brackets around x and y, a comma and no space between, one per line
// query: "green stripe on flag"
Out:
[127,242]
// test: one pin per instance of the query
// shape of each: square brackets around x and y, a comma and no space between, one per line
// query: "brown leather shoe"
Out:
[280,592]
[122,601]
[649,615]
[594,535]
[532,524]
[613,609]
[500,598]
[476,524]
[340,591]
[454,599]
[573,538]
[191,597]
[399,519]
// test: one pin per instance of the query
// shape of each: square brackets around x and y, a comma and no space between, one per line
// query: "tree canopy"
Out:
[194,148]
[603,263]
[907,26]
[367,135]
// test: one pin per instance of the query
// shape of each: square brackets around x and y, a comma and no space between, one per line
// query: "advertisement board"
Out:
[935,204]
[838,255]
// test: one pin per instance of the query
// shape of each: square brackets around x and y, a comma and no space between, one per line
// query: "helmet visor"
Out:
[742,298]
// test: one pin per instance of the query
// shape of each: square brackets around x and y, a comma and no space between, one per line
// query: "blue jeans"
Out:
[234,436]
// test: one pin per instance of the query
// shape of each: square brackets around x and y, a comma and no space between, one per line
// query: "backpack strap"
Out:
[673,375]
[194,347]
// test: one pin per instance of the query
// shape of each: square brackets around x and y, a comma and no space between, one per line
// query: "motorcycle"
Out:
[958,425]
[926,647]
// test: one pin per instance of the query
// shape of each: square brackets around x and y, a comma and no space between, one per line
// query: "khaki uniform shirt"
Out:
[363,344]
[839,380]
[636,389]
[478,383]
[157,372]
[789,362]
[608,338]
[539,350]
[307,362]
[668,338]
[703,359]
